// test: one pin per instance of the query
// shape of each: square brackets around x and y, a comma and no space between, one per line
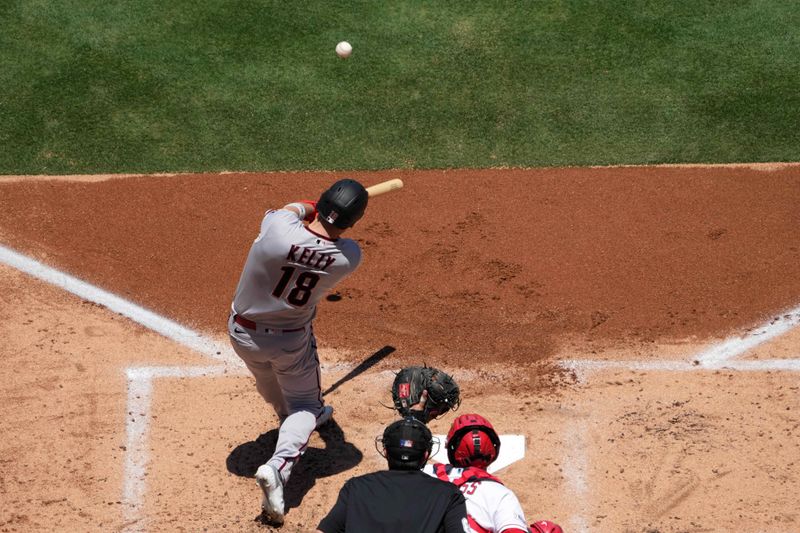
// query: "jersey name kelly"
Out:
[309,257]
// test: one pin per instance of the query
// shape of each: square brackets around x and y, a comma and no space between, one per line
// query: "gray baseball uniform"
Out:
[288,270]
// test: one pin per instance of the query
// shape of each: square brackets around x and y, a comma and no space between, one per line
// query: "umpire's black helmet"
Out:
[343,204]
[408,444]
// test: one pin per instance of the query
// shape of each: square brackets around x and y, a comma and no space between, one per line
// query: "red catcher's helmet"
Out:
[546,526]
[472,441]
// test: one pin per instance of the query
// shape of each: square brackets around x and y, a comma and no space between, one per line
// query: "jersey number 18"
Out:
[301,291]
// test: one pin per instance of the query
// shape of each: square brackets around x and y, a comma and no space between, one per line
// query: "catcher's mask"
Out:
[472,441]
[343,204]
[407,444]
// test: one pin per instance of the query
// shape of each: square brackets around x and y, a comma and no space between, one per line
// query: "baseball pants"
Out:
[287,374]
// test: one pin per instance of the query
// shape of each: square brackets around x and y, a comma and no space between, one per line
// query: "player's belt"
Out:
[249,324]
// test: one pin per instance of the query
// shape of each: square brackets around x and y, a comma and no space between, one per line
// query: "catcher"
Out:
[424,393]
[472,445]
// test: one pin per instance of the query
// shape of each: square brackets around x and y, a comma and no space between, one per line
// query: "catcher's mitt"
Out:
[407,393]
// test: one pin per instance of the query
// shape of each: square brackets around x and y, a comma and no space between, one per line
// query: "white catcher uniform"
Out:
[491,506]
[288,270]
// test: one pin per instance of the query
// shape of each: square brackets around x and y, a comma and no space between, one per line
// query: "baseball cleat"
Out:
[325,415]
[271,485]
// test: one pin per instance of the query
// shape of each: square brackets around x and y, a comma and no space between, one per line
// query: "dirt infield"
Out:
[629,273]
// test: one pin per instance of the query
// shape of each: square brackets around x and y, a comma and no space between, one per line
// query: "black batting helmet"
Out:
[408,444]
[343,204]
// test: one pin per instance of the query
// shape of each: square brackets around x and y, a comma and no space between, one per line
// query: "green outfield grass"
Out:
[145,85]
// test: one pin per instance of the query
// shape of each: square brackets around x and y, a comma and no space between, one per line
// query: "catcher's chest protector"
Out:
[468,475]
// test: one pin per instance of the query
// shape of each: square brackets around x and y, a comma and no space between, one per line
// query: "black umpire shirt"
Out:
[401,501]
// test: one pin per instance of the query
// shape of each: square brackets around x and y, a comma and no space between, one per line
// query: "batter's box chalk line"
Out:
[140,384]
[722,355]
[140,379]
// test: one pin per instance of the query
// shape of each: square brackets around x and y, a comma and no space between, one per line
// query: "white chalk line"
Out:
[137,424]
[719,356]
[582,366]
[734,347]
[162,325]
[575,470]
[140,379]
[137,427]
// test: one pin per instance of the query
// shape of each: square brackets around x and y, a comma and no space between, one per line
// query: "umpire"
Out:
[403,498]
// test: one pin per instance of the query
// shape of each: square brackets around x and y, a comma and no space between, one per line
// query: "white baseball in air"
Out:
[344,49]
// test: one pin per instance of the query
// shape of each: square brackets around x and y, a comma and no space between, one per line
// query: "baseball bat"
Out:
[384,187]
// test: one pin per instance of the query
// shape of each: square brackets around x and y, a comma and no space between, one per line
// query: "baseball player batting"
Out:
[288,270]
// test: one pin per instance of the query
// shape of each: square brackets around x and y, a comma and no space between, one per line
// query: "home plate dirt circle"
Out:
[499,276]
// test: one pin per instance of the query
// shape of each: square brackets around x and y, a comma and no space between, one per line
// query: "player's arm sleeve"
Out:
[353,254]
[266,222]
[455,518]
[508,515]
[276,223]
[304,209]
[336,520]
[297,208]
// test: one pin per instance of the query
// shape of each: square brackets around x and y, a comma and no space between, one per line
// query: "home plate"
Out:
[512,449]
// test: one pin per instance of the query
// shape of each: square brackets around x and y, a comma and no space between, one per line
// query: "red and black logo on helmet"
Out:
[407,444]
[472,441]
[343,204]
